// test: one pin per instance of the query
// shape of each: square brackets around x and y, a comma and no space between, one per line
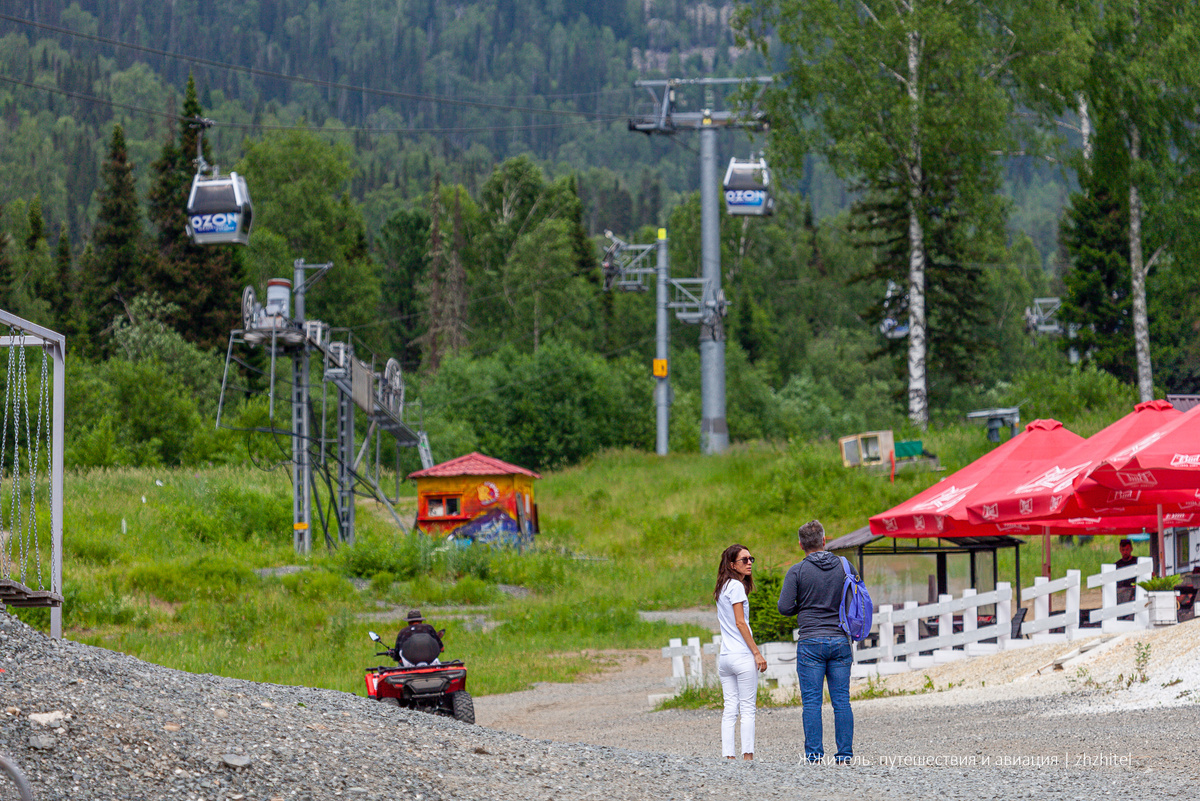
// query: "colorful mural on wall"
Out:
[477,498]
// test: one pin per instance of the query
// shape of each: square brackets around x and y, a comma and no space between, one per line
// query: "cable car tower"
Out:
[667,121]
[354,383]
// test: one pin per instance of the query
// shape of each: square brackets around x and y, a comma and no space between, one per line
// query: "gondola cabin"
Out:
[219,210]
[477,498]
[747,187]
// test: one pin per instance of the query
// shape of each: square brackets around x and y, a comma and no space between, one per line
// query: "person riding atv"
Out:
[419,643]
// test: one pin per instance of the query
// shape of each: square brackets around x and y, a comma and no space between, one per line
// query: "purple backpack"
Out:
[856,610]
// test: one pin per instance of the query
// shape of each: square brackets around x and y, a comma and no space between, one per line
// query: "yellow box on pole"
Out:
[660,368]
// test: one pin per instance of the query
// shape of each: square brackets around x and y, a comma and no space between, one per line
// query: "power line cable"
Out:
[271,127]
[436,99]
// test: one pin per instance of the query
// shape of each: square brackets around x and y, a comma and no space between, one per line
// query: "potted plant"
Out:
[1163,606]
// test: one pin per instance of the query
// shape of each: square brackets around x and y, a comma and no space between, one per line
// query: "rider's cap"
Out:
[414,615]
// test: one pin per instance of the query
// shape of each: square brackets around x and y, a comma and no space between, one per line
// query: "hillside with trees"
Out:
[459,163]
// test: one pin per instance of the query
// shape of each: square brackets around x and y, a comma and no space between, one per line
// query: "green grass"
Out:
[161,564]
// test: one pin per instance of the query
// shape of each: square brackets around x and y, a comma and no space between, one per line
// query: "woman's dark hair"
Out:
[725,570]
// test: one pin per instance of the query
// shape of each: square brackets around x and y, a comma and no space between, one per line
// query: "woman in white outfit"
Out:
[740,661]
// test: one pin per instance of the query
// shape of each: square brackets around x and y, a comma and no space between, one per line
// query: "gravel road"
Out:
[132,730]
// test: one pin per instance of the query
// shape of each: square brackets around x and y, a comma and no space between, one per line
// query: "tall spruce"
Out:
[203,282]
[433,289]
[63,296]
[119,256]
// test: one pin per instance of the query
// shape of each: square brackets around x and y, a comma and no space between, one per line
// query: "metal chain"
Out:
[5,557]
[33,475]
[18,513]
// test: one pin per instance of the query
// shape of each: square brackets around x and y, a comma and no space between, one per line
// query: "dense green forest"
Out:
[458,165]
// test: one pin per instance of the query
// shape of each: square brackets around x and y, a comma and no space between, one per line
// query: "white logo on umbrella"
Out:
[1056,479]
[991,511]
[1142,479]
[945,499]
[1136,448]
[1026,505]
[1185,460]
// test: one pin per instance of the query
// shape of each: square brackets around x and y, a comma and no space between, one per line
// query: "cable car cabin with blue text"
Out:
[747,188]
[219,210]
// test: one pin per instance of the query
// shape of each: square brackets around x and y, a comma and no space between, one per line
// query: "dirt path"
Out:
[1012,710]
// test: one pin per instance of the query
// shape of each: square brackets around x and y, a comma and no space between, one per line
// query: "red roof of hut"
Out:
[473,464]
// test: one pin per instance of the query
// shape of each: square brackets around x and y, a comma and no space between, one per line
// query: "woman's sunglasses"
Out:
[746,560]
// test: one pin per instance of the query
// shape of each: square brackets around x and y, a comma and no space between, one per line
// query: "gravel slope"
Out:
[139,731]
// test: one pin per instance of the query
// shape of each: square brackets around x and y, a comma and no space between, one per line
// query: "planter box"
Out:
[1163,609]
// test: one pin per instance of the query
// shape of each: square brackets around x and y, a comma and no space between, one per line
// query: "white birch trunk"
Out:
[918,400]
[1137,269]
[1085,127]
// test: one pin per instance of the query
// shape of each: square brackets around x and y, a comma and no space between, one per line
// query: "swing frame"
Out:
[53,345]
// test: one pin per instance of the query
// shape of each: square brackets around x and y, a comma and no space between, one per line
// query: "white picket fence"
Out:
[917,651]
[1110,610]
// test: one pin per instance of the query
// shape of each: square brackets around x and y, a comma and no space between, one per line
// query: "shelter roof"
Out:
[862,537]
[473,464]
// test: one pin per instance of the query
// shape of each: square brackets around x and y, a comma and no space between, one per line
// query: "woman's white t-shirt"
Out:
[731,639]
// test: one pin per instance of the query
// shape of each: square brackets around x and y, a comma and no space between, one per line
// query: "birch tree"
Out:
[1143,83]
[904,98]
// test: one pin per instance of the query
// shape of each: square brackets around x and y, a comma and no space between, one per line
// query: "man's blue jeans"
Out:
[818,659]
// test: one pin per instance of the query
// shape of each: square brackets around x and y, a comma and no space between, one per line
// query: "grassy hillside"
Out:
[162,564]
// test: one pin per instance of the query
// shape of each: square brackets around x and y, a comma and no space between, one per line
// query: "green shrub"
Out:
[381,582]
[318,585]
[539,571]
[465,559]
[405,557]
[208,575]
[471,591]
[587,617]
[765,621]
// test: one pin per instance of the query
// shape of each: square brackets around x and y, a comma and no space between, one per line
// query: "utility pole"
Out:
[714,432]
[662,341]
[301,424]
[624,270]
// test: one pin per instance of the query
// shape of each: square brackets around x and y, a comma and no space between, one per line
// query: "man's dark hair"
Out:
[812,534]
[1123,543]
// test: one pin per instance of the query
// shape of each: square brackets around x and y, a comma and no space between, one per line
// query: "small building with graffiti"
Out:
[477,498]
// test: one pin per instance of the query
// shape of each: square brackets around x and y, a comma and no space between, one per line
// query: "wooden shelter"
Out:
[477,498]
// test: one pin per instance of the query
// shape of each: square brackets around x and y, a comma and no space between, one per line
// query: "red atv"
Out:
[440,689]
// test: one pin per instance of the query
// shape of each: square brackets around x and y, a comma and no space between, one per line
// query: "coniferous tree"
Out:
[62,294]
[6,269]
[119,257]
[433,290]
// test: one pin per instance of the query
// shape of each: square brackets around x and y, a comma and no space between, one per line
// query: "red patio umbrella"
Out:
[941,510]
[1166,459]
[1045,492]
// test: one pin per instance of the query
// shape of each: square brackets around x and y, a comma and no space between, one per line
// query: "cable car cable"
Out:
[249,126]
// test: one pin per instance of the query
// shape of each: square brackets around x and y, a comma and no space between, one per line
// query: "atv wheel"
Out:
[464,707]
[390,701]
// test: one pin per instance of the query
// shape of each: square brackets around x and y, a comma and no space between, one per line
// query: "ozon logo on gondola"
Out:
[745,197]
[220,223]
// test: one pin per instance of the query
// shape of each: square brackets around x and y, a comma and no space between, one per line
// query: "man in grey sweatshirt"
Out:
[812,590]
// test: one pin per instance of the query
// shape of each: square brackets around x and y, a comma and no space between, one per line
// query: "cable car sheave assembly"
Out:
[218,210]
[350,381]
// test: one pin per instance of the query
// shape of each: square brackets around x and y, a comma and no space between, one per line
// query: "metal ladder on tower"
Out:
[423,450]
